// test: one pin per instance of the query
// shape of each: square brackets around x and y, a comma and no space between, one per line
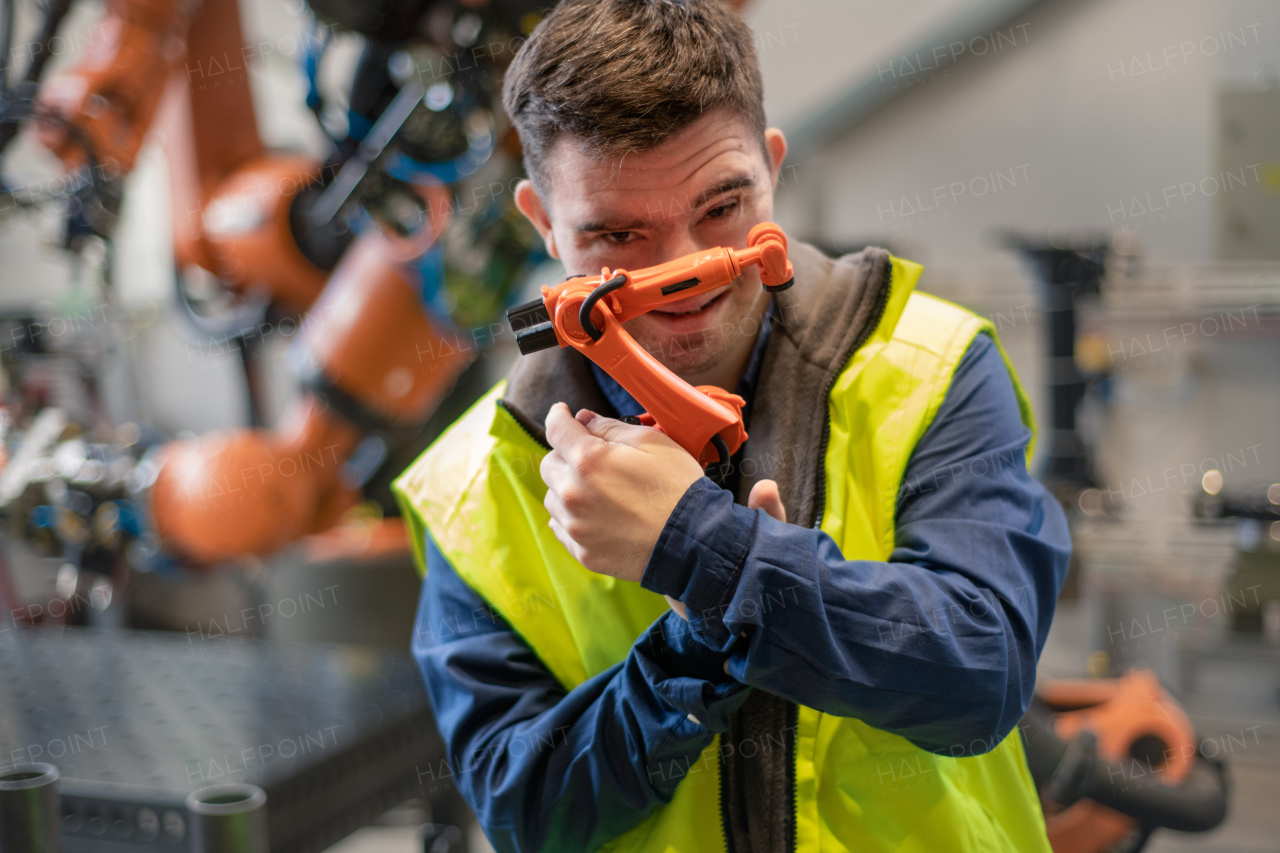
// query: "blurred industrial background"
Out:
[1101,179]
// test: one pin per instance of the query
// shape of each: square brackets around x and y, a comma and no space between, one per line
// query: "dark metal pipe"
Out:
[228,818]
[1066,274]
[29,812]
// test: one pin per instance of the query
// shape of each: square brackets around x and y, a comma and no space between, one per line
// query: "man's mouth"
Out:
[692,305]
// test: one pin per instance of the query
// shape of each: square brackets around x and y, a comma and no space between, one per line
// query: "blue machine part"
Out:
[429,269]
[438,98]
[43,516]
[404,168]
[129,518]
[357,126]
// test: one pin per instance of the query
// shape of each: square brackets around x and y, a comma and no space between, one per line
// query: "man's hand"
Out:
[610,488]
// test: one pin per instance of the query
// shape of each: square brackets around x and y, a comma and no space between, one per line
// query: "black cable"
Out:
[719,471]
[250,347]
[317,106]
[584,313]
[13,114]
[242,329]
[53,15]
[245,316]
[17,112]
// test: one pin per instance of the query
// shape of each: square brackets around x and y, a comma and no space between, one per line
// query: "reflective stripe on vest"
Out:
[478,491]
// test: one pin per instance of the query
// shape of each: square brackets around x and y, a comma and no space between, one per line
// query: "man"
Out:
[622,656]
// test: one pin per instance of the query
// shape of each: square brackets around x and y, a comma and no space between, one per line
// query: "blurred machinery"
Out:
[1066,274]
[1254,581]
[385,253]
[1115,760]
[1069,274]
[392,247]
[73,501]
[147,728]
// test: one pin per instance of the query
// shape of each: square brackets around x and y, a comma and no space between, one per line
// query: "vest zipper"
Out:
[724,808]
[540,439]
[793,717]
[882,303]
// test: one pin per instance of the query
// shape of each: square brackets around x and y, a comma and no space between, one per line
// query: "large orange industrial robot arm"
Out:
[169,64]
[587,313]
[113,92]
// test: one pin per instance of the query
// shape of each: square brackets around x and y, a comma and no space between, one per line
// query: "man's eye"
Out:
[618,238]
[721,211]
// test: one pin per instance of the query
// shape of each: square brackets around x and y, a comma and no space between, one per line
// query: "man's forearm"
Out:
[925,652]
[940,642]
[546,768]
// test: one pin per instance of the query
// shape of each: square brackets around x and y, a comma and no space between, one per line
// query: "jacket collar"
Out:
[832,309]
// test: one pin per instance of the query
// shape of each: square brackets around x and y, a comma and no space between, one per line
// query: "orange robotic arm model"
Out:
[587,313]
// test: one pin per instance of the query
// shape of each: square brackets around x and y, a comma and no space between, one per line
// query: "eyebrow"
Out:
[735,183]
[606,226]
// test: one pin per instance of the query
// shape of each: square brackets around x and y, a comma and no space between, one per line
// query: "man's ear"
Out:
[776,144]
[530,204]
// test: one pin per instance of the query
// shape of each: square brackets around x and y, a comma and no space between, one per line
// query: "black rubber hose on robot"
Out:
[1068,771]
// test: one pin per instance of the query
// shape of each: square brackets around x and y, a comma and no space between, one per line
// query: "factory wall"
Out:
[1065,113]
[1053,126]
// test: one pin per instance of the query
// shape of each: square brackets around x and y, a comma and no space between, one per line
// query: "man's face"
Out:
[705,186]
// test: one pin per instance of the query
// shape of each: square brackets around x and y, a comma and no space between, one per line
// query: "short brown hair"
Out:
[624,75]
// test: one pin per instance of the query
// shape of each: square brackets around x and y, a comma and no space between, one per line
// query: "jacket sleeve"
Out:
[545,768]
[938,644]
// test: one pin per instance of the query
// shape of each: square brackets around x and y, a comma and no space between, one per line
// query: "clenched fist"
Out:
[610,488]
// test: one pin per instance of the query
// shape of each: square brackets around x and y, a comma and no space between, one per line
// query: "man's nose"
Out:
[680,242]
